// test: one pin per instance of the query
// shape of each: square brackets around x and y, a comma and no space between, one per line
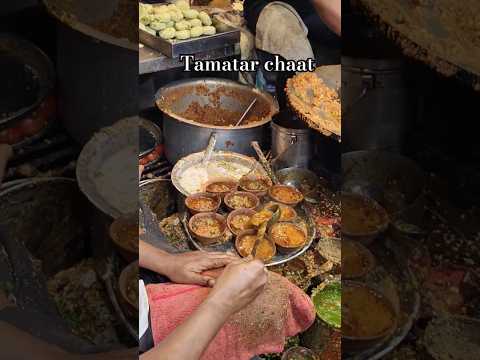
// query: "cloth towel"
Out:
[282,310]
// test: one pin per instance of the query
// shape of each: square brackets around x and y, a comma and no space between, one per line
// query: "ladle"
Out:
[246,112]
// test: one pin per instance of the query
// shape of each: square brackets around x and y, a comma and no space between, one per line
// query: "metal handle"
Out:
[211,146]
[369,83]
[264,162]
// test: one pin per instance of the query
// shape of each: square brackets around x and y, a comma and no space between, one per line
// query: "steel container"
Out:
[97,73]
[183,136]
[291,147]
[376,109]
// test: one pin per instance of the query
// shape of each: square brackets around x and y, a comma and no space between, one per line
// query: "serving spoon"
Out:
[263,228]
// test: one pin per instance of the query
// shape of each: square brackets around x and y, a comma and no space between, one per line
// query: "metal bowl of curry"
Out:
[363,219]
[245,242]
[286,194]
[222,187]
[128,289]
[239,220]
[203,202]
[368,317]
[288,237]
[207,228]
[241,200]
[124,234]
[287,213]
[357,260]
[257,186]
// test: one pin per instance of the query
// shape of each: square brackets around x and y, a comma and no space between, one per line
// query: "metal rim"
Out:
[160,95]
[153,130]
[88,152]
[288,131]
[89,30]
[385,65]
[377,294]
[48,83]
[177,168]
[27,182]
[403,328]
[355,157]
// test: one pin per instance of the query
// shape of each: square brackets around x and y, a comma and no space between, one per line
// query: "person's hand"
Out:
[140,171]
[240,283]
[187,268]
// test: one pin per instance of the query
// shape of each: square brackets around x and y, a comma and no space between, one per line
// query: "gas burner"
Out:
[54,155]
[158,169]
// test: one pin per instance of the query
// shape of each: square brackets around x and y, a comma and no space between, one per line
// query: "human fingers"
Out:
[199,279]
[214,263]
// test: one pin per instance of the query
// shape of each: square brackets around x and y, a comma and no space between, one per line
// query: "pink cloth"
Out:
[171,304]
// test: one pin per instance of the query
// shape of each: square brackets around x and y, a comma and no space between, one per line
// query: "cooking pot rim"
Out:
[33,56]
[204,81]
[290,131]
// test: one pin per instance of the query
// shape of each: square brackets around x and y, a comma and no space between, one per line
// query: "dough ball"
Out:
[182,35]
[209,30]
[176,15]
[205,18]
[146,19]
[163,17]
[190,14]
[196,31]
[182,4]
[160,9]
[194,23]
[146,8]
[168,33]
[182,25]
[158,25]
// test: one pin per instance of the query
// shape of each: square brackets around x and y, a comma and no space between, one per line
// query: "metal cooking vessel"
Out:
[387,177]
[184,136]
[34,58]
[375,104]
[291,147]
[97,73]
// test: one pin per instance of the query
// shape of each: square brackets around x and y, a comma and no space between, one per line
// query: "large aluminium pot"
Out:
[183,136]
[376,109]
[97,72]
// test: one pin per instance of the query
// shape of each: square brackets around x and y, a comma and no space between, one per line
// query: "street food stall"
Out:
[228,170]
[363,233]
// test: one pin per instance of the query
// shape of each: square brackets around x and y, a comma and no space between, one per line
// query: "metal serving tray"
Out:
[304,220]
[175,48]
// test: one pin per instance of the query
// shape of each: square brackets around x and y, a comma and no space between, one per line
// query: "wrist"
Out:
[166,265]
[218,308]
[219,305]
